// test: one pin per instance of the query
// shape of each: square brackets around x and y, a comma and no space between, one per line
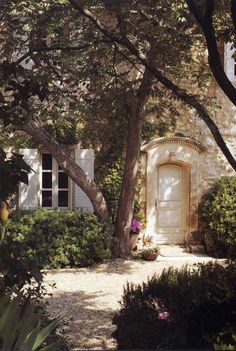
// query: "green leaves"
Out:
[53,239]
[185,309]
[20,325]
[217,212]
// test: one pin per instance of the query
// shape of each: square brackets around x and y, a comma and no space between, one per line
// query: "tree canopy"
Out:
[103,73]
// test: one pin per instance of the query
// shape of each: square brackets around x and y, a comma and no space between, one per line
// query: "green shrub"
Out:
[217,213]
[188,309]
[17,265]
[58,239]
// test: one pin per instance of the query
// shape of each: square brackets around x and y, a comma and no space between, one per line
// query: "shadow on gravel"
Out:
[118,266]
[84,326]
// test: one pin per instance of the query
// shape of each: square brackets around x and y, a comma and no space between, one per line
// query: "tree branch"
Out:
[233,13]
[195,11]
[204,15]
[209,10]
[128,59]
[54,70]
[213,53]
[180,93]
[57,48]
[71,168]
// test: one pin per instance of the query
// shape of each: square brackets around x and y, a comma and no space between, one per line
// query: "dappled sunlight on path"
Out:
[86,325]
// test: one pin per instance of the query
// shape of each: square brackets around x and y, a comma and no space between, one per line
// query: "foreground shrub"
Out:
[180,309]
[18,265]
[57,239]
[217,212]
[24,322]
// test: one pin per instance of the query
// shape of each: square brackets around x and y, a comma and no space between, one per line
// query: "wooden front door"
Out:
[171,204]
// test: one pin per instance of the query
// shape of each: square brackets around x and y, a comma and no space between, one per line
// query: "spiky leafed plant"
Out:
[21,326]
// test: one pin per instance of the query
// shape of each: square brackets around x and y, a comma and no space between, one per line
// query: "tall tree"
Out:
[138,50]
[120,32]
[99,65]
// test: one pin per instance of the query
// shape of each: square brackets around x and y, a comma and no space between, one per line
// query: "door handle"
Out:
[156,203]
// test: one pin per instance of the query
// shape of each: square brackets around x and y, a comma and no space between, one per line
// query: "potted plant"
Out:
[148,240]
[134,233]
[150,253]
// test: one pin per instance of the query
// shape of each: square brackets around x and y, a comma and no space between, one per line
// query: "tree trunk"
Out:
[70,167]
[126,201]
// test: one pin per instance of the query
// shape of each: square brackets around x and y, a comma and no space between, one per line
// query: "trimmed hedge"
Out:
[181,309]
[59,239]
[217,214]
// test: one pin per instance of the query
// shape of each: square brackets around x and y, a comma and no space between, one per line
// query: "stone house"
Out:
[177,171]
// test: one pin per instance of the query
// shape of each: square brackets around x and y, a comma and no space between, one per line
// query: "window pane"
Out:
[47,180]
[46,198]
[62,180]
[63,198]
[47,161]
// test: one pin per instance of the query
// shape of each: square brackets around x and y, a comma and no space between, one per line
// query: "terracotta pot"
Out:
[150,256]
[133,238]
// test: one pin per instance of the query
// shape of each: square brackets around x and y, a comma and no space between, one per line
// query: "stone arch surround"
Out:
[185,152]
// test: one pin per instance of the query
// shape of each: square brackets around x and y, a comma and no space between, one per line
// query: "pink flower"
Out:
[164,315]
[135,226]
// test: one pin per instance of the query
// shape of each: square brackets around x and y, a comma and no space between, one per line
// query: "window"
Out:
[230,62]
[55,184]
[234,66]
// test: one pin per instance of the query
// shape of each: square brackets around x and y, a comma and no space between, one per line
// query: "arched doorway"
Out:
[171,193]
[172,203]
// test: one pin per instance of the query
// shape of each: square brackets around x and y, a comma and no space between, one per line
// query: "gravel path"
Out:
[89,297]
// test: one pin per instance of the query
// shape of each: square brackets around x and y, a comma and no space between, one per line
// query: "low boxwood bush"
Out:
[59,239]
[217,214]
[181,309]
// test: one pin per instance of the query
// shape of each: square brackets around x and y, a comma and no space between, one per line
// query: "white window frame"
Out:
[230,61]
[55,189]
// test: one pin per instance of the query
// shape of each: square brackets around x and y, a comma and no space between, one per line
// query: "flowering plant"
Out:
[151,249]
[147,240]
[135,226]
[164,315]
[150,253]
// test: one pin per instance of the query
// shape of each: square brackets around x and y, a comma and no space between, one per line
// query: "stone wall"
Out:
[214,165]
[206,166]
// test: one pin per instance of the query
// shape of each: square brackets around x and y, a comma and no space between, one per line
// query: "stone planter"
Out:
[133,238]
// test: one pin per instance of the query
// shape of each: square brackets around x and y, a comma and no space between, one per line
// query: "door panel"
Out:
[171,209]
[169,217]
[170,183]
